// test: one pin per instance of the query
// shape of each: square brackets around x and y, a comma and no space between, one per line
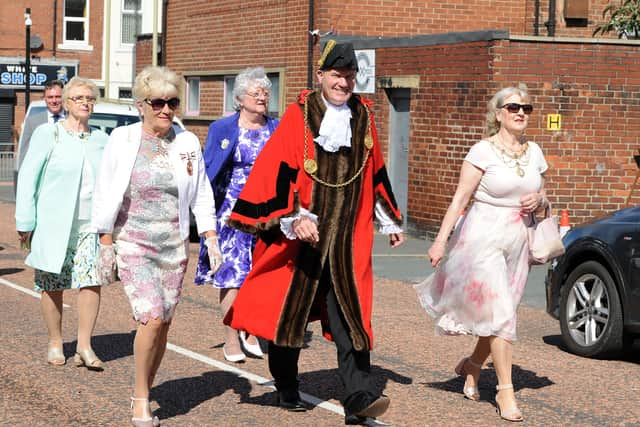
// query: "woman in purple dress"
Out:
[233,143]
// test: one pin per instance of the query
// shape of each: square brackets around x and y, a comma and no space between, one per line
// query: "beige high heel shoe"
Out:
[55,356]
[151,421]
[88,359]
[471,393]
[511,414]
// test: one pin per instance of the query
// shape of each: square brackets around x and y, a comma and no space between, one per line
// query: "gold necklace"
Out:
[513,160]
[311,166]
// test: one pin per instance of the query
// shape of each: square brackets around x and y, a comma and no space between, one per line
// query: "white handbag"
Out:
[544,238]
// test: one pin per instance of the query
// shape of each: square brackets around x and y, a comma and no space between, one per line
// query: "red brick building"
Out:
[436,65]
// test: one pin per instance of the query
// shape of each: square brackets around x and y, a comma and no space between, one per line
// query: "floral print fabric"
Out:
[236,245]
[150,255]
[478,286]
[79,267]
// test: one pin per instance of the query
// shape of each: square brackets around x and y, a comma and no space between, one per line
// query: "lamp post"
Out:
[27,78]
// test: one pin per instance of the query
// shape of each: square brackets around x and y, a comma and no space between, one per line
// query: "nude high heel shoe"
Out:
[471,393]
[146,421]
[88,359]
[55,356]
[510,414]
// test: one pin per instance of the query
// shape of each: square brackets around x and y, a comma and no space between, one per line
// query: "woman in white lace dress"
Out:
[478,285]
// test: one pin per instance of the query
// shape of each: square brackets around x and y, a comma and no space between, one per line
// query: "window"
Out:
[193,97]
[125,93]
[274,99]
[131,20]
[76,22]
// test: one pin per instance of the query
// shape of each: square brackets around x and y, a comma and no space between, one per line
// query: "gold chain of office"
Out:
[311,166]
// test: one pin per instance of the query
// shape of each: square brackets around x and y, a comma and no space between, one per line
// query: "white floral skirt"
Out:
[477,287]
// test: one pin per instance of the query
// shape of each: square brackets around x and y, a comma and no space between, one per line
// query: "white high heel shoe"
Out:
[512,414]
[151,421]
[252,349]
[235,358]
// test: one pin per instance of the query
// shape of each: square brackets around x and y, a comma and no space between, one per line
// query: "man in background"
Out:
[54,112]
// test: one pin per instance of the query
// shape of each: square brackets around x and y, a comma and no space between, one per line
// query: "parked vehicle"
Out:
[594,288]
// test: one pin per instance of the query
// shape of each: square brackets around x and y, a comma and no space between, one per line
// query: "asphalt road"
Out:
[197,387]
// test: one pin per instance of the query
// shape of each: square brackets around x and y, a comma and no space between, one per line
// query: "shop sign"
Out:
[13,75]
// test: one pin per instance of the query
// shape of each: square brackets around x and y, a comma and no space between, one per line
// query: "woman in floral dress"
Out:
[152,174]
[233,143]
[64,156]
[477,287]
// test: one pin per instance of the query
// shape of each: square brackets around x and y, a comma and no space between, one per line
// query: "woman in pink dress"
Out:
[477,287]
[152,173]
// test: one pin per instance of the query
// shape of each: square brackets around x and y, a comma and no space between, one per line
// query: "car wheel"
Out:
[590,312]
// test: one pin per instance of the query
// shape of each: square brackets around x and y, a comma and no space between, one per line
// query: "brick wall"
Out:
[204,36]
[595,87]
[397,18]
[592,85]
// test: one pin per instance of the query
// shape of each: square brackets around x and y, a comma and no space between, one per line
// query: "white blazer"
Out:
[115,173]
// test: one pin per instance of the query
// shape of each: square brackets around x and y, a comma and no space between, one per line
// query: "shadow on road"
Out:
[178,397]
[107,347]
[631,352]
[325,385]
[5,271]
[522,378]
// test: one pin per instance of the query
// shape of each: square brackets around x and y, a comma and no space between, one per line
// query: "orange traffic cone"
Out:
[565,225]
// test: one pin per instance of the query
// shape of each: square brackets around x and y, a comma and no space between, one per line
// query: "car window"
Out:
[108,122]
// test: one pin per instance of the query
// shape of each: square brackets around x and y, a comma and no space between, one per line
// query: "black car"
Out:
[594,288]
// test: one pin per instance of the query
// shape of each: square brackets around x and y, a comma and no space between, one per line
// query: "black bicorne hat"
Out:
[338,55]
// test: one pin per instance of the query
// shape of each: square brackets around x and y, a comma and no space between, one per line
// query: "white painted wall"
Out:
[121,57]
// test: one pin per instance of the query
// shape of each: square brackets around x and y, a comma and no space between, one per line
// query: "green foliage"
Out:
[623,18]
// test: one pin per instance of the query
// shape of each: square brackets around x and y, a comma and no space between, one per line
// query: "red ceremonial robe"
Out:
[278,296]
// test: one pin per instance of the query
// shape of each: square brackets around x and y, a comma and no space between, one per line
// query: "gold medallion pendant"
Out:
[368,141]
[520,171]
[310,166]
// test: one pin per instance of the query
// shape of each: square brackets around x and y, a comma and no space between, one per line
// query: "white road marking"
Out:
[25,290]
[265,382]
[252,377]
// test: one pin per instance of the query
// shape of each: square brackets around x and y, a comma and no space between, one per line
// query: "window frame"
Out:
[123,12]
[188,111]
[219,76]
[85,20]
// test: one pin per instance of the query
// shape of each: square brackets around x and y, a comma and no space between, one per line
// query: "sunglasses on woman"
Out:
[514,107]
[159,103]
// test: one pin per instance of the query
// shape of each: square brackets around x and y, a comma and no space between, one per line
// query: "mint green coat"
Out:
[52,215]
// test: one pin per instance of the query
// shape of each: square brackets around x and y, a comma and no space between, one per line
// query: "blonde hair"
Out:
[492,125]
[79,82]
[160,81]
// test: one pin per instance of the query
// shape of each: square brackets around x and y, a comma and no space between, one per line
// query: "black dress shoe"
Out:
[376,408]
[354,420]
[291,403]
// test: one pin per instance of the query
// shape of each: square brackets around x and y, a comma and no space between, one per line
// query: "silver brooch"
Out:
[224,144]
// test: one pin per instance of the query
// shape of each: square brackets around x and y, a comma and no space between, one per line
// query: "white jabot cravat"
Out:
[335,128]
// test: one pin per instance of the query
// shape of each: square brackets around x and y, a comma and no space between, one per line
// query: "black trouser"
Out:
[353,366]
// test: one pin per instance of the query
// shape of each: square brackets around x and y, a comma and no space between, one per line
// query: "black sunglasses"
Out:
[514,107]
[159,103]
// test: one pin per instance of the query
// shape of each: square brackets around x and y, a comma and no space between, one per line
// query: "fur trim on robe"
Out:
[278,296]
